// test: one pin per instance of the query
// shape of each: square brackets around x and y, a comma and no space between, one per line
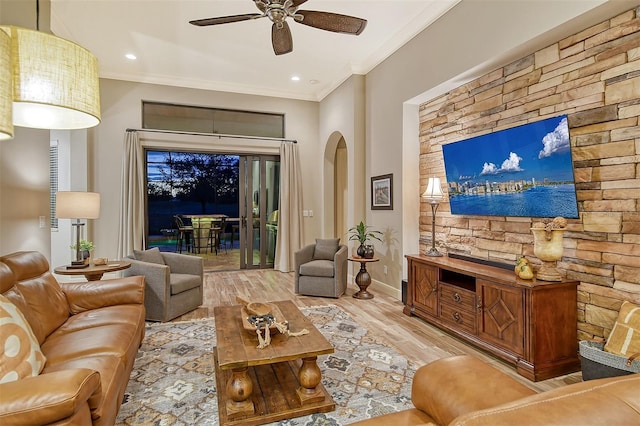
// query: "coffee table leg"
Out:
[239,389]
[309,377]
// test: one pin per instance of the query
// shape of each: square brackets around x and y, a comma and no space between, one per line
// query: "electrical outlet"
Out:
[41,222]
[385,269]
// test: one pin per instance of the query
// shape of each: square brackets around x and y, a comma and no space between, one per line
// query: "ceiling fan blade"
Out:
[332,21]
[225,19]
[281,38]
[297,3]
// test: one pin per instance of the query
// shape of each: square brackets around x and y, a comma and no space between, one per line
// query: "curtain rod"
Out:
[218,135]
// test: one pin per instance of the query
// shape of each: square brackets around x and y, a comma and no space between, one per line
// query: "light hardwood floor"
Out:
[411,336]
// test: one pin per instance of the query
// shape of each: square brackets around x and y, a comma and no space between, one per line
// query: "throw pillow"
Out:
[625,336]
[326,249]
[20,356]
[152,255]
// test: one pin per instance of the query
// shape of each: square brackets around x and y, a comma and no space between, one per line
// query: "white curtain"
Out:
[131,235]
[290,238]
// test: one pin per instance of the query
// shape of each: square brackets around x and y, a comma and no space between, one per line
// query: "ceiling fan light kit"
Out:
[279,10]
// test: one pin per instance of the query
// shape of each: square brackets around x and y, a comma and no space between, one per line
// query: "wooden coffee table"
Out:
[281,381]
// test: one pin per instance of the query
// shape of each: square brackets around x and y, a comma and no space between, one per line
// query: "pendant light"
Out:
[6,86]
[55,81]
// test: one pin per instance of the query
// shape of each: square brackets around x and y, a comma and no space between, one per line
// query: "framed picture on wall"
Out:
[382,192]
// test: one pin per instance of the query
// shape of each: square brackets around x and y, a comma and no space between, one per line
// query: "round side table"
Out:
[363,279]
[94,272]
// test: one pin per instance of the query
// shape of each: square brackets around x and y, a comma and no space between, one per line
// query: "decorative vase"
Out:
[368,252]
[360,250]
[547,246]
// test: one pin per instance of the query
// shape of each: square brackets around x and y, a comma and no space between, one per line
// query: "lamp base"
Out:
[433,252]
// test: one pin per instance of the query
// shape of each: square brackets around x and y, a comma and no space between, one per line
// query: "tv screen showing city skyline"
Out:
[521,171]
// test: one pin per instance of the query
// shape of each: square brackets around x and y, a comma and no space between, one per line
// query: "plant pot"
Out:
[368,252]
[360,250]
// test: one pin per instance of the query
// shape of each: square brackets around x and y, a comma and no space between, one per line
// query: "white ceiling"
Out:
[237,57]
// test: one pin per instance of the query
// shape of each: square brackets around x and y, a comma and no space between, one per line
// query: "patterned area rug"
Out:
[173,381]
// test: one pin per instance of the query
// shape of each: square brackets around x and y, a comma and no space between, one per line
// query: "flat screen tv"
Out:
[522,171]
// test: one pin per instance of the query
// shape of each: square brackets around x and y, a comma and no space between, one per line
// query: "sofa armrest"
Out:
[450,387]
[184,264]
[98,294]
[47,398]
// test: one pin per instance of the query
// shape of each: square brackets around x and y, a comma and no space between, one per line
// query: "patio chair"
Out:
[184,234]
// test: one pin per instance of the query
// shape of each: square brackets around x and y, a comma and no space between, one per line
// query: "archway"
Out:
[336,186]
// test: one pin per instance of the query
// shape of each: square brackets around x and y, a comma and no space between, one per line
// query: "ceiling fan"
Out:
[279,10]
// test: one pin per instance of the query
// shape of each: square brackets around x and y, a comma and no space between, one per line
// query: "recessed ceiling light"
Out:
[295,78]
[313,81]
[130,56]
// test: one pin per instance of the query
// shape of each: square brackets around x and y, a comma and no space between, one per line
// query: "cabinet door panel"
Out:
[426,287]
[501,319]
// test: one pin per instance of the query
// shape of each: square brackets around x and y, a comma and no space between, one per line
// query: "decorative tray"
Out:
[274,316]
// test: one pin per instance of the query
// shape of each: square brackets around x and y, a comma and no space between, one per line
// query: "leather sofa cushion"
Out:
[112,375]
[123,314]
[317,268]
[104,339]
[7,279]
[183,282]
[611,401]
[412,416]
[46,306]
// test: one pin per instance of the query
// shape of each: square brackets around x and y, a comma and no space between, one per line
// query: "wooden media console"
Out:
[531,324]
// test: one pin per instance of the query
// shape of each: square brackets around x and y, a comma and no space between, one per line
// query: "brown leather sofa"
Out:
[463,390]
[89,332]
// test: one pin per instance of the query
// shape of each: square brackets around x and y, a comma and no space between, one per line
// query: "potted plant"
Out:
[86,247]
[363,234]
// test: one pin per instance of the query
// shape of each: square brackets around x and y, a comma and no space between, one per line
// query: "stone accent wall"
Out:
[594,78]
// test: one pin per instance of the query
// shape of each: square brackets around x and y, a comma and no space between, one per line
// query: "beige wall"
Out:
[341,116]
[592,77]
[24,192]
[374,113]
[471,39]
[121,109]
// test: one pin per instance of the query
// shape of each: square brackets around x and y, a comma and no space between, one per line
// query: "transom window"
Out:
[185,118]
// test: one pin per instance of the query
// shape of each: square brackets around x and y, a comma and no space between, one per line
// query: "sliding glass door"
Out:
[259,204]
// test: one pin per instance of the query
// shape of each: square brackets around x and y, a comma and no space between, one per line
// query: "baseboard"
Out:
[377,286]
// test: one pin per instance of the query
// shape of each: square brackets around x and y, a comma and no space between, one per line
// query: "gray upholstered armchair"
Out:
[173,282]
[321,269]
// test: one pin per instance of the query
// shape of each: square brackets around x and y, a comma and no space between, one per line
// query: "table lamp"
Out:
[77,205]
[434,194]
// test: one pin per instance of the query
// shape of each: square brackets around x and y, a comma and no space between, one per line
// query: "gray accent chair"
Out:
[174,282]
[316,275]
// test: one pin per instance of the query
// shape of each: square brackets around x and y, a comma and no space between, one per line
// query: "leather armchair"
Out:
[316,275]
[173,285]
[462,390]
